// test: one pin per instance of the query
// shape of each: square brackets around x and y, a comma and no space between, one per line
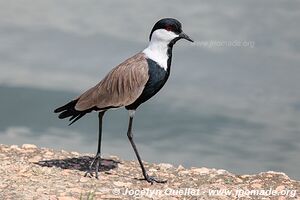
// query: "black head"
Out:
[170,25]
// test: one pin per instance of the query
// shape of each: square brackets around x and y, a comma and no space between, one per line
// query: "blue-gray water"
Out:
[236,108]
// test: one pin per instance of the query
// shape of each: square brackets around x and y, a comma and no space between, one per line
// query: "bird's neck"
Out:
[160,52]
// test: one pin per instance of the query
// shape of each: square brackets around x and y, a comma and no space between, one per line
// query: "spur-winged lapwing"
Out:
[130,84]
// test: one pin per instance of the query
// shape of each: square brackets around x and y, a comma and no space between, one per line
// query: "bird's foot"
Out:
[97,162]
[151,179]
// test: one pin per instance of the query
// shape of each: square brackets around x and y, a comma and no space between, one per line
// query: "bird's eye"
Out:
[169,28]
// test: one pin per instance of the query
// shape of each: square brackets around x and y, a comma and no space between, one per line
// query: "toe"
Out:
[151,179]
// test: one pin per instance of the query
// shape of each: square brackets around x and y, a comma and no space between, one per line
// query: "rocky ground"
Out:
[28,172]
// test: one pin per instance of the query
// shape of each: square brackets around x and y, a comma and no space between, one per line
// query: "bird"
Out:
[129,85]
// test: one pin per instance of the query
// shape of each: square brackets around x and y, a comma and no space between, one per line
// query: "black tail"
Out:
[69,110]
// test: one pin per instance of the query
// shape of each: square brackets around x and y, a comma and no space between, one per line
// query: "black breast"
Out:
[157,78]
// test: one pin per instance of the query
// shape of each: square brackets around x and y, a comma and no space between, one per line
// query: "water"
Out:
[236,108]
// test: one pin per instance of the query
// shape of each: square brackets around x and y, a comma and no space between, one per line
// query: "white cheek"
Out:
[158,47]
[163,35]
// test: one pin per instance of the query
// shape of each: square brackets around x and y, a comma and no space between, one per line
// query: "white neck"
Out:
[157,49]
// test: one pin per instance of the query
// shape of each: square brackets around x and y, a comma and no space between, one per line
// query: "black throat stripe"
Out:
[157,79]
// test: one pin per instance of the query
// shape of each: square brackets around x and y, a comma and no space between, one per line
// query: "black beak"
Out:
[185,36]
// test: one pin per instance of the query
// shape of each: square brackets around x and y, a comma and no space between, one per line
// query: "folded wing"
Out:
[121,87]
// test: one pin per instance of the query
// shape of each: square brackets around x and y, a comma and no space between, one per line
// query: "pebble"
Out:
[239,180]
[176,184]
[121,166]
[219,181]
[47,170]
[165,166]
[3,185]
[75,153]
[109,196]
[281,198]
[40,190]
[53,197]
[256,185]
[35,159]
[222,171]
[25,174]
[184,172]
[14,147]
[66,172]
[114,158]
[180,167]
[170,198]
[76,190]
[245,176]
[29,146]
[49,153]
[66,198]
[152,170]
[272,173]
[122,184]
[280,188]
[84,179]
[202,170]
[256,181]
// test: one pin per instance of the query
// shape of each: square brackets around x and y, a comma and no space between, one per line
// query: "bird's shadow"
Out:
[78,163]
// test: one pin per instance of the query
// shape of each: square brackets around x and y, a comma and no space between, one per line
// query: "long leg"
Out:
[130,137]
[97,158]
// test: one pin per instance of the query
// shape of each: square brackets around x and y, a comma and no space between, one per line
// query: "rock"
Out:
[29,146]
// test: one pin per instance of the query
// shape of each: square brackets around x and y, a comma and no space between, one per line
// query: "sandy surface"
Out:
[29,172]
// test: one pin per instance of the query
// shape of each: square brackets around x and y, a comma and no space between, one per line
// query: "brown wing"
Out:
[121,87]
